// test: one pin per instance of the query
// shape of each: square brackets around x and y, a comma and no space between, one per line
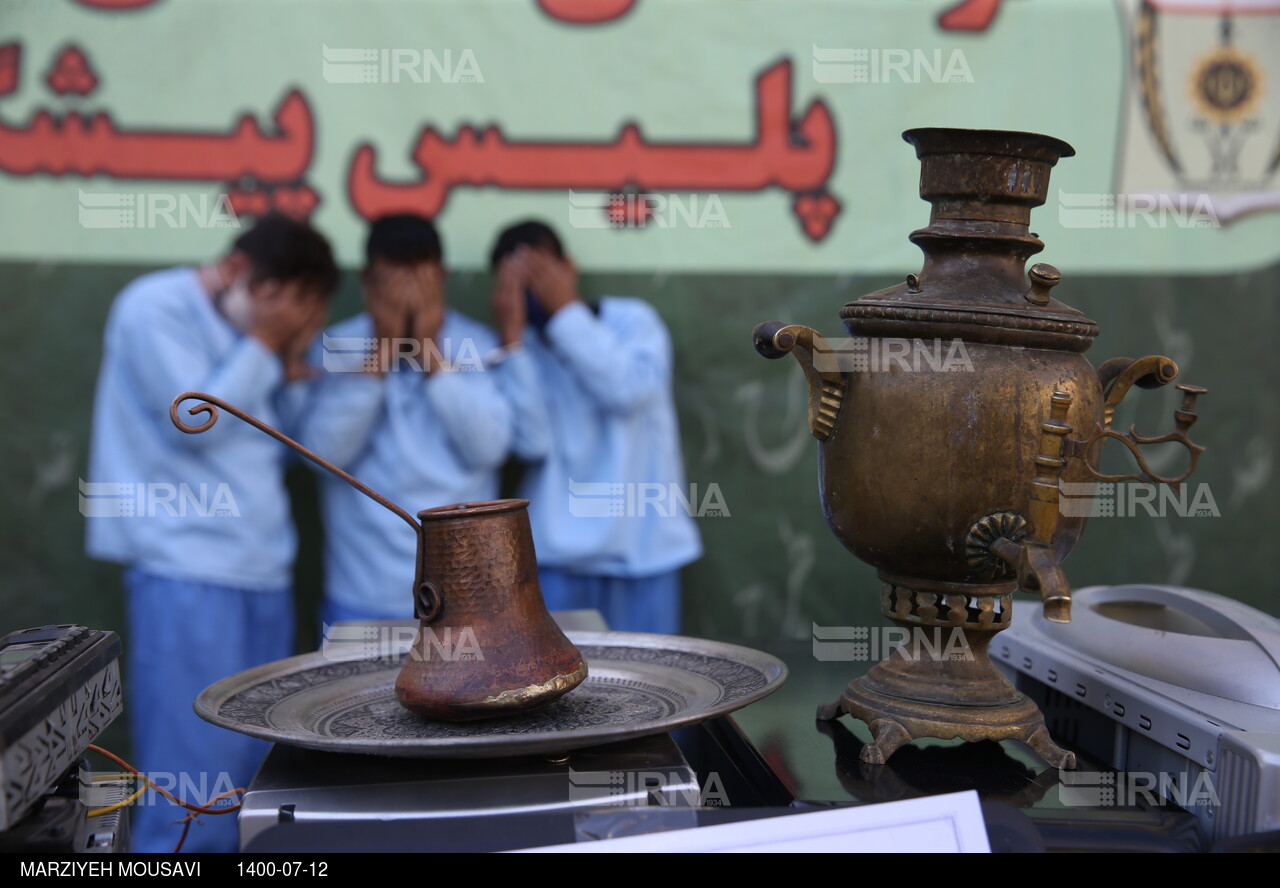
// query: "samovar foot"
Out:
[896,720]
[1042,745]
[889,737]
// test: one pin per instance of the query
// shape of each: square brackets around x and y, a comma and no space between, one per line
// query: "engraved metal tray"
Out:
[639,684]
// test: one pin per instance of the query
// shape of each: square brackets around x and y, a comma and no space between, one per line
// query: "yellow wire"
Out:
[147,783]
[122,803]
[108,778]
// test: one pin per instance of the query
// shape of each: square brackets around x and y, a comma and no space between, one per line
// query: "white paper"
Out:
[943,823]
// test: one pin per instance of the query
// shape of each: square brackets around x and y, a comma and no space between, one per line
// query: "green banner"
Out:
[660,135]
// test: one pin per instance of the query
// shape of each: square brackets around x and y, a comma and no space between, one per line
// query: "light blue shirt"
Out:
[210,507]
[421,441]
[606,479]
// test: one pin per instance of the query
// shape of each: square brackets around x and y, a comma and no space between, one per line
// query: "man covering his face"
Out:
[603,423]
[206,538]
[413,399]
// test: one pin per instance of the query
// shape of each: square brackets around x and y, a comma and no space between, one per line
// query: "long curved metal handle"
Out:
[426,602]
[774,339]
[211,405]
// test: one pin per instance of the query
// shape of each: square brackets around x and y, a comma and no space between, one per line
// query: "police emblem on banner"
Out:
[1202,105]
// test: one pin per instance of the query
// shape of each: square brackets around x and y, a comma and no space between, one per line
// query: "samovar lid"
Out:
[982,186]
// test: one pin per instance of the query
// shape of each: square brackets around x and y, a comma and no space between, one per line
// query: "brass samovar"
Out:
[944,473]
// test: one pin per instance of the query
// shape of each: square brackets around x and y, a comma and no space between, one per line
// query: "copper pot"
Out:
[947,421]
[486,646]
[479,558]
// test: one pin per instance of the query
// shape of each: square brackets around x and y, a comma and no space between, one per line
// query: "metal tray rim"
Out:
[208,704]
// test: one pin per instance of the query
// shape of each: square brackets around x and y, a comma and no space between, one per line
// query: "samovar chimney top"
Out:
[984,182]
[941,140]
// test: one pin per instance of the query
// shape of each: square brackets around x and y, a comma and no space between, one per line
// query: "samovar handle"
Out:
[1034,558]
[820,362]
[1117,377]
[426,598]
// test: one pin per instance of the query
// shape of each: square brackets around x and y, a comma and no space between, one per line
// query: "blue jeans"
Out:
[643,604]
[184,636]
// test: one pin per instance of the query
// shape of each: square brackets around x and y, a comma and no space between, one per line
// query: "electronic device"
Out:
[1179,685]
[302,799]
[59,688]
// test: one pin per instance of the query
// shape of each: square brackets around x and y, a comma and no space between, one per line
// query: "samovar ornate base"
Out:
[940,682]
[895,722]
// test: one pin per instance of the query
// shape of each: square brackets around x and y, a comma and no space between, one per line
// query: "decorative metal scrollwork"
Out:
[1090,450]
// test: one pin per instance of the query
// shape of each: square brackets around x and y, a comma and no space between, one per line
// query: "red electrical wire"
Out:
[193,809]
